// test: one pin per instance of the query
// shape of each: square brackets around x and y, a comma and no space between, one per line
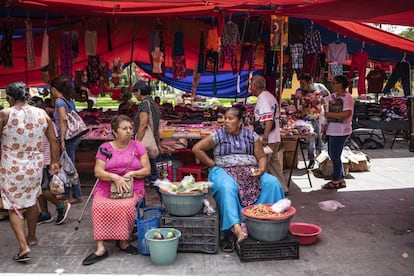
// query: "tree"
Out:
[408,33]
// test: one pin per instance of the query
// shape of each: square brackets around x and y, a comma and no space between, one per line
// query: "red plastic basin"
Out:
[306,233]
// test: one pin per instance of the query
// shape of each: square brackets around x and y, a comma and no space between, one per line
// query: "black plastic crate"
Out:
[199,233]
[253,250]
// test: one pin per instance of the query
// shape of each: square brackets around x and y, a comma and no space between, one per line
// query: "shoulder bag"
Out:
[259,126]
[149,139]
[75,125]
[128,180]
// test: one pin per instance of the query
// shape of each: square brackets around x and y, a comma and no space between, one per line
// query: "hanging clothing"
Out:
[271,63]
[376,80]
[44,57]
[401,71]
[230,35]
[247,55]
[53,59]
[212,58]
[179,67]
[200,63]
[229,54]
[359,62]
[66,54]
[334,69]
[213,41]
[30,51]
[91,41]
[296,33]
[6,51]
[337,52]
[75,44]
[309,64]
[93,70]
[313,41]
[320,67]
[296,55]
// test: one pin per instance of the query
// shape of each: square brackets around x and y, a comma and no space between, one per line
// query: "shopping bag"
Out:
[68,169]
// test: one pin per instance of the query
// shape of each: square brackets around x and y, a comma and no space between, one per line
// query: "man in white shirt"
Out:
[266,110]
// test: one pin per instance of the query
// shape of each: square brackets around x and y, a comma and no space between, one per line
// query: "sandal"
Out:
[226,246]
[335,184]
[22,258]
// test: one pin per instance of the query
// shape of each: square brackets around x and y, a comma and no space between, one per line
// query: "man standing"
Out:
[308,106]
[266,110]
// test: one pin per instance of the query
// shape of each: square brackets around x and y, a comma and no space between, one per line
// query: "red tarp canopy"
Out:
[92,15]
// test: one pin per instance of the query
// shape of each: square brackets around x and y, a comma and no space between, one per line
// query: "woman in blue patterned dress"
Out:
[237,170]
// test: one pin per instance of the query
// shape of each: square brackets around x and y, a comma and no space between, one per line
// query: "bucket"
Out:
[163,252]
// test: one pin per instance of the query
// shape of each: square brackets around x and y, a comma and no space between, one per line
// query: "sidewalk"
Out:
[372,235]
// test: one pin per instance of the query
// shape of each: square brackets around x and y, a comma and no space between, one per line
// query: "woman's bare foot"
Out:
[238,231]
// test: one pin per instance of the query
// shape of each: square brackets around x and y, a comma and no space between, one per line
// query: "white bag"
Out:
[67,173]
[75,125]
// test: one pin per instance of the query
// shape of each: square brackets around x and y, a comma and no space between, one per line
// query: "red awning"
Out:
[368,34]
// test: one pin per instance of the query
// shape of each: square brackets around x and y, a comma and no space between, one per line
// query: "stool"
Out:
[189,165]
[193,169]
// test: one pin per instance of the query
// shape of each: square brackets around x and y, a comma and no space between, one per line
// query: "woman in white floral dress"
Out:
[22,129]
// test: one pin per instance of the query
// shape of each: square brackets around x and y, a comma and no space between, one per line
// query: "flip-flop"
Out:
[339,184]
[226,246]
[22,258]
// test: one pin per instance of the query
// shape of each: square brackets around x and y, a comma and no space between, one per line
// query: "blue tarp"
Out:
[226,82]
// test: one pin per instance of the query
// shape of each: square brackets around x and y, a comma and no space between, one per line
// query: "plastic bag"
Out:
[330,205]
[281,205]
[68,169]
[56,185]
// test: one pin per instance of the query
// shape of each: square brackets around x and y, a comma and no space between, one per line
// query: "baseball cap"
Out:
[143,86]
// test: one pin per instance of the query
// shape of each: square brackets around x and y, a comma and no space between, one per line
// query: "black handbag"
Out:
[259,126]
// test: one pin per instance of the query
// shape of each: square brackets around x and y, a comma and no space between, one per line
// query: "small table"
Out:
[297,145]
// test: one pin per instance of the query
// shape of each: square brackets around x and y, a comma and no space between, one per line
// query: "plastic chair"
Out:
[189,165]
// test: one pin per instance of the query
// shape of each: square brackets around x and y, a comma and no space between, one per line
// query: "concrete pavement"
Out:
[372,235]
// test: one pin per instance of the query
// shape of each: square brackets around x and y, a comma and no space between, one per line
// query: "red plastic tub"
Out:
[306,233]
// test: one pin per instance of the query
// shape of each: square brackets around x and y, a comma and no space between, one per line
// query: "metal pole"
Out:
[279,94]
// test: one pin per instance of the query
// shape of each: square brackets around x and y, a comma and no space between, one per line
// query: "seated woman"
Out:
[113,219]
[237,170]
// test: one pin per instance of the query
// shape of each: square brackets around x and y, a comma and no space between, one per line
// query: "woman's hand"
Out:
[121,185]
[257,172]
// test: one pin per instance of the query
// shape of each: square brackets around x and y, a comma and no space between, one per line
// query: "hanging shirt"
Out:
[313,41]
[376,80]
[230,34]
[337,52]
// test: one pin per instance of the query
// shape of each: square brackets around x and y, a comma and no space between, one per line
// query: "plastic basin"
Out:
[269,229]
[163,252]
[184,204]
[306,233]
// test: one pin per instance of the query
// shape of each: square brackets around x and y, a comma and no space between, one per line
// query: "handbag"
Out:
[75,125]
[114,194]
[259,126]
[149,140]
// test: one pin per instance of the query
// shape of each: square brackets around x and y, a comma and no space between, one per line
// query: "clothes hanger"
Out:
[337,41]
[403,59]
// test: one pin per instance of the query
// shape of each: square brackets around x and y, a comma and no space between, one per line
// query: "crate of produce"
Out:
[254,250]
[199,233]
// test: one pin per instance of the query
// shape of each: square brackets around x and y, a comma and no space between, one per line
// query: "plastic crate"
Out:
[199,233]
[254,250]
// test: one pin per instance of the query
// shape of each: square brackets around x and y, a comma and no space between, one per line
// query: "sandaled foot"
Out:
[226,246]
[22,256]
[240,234]
[335,184]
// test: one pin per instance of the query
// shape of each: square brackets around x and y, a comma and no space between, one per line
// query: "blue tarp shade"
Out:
[226,82]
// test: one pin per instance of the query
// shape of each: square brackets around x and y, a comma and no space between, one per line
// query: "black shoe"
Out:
[311,164]
[130,250]
[93,258]
[62,213]
[44,219]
